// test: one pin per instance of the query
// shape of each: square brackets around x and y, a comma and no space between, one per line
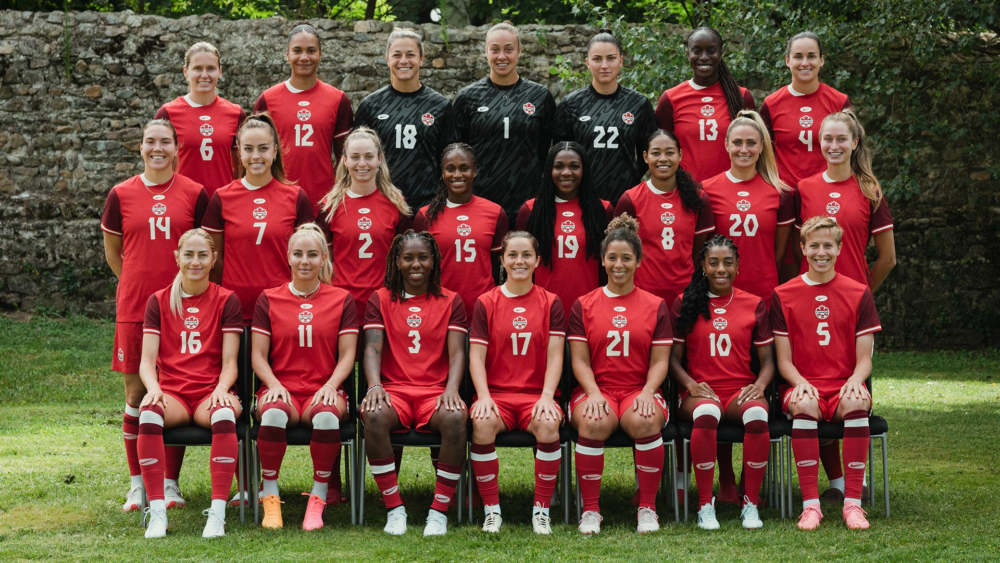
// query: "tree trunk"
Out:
[370,10]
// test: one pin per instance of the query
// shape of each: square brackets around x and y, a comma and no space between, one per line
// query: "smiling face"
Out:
[567,171]
[704,52]
[415,263]
[821,249]
[404,59]
[158,148]
[305,259]
[744,146]
[619,262]
[605,62]
[663,157]
[303,54]
[720,265]
[836,142]
[458,173]
[257,151]
[195,259]
[804,60]
[502,52]
[362,160]
[519,259]
[202,73]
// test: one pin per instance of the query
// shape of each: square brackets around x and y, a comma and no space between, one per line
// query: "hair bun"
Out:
[605,30]
[623,221]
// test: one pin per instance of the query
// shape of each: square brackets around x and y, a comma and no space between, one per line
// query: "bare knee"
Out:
[484,431]
[452,425]
[544,430]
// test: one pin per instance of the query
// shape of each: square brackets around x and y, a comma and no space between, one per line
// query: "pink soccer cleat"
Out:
[854,516]
[314,513]
[811,517]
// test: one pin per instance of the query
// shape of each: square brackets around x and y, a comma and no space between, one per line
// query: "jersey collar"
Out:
[612,295]
[453,205]
[696,86]
[805,278]
[794,92]
[649,184]
[732,178]
[190,102]
[293,89]
[561,200]
[249,186]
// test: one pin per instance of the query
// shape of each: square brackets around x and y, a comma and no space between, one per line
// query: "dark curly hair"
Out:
[394,277]
[441,197]
[695,303]
[623,228]
[690,189]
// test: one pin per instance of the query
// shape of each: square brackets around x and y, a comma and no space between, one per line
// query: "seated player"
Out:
[718,325]
[415,334]
[824,325]
[619,341]
[516,359]
[304,336]
[190,343]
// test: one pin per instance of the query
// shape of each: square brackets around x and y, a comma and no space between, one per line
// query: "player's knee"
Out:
[376,421]
[223,414]
[275,415]
[151,414]
[806,405]
[592,427]
[706,414]
[848,405]
[453,424]
[326,419]
[755,413]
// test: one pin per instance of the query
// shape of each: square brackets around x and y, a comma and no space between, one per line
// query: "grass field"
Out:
[63,477]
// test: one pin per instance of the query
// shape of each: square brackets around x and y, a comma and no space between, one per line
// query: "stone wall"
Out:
[75,91]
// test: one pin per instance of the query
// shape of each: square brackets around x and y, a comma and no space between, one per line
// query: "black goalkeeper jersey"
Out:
[613,128]
[510,127]
[414,128]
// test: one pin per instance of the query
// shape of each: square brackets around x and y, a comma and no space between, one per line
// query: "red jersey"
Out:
[699,116]
[516,330]
[718,350]
[205,138]
[415,347]
[256,224]
[189,360]
[749,212]
[822,322]
[360,235]
[308,121]
[667,230]
[149,218]
[793,119]
[467,234]
[572,273]
[620,332]
[854,212]
[304,334]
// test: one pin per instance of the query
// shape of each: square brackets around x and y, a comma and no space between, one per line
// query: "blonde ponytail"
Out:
[861,157]
[312,230]
[176,301]
[383,181]
[767,165]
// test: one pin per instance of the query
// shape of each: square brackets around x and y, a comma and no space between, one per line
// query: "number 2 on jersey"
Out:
[600,142]
[302,134]
[748,224]
[617,338]
[363,251]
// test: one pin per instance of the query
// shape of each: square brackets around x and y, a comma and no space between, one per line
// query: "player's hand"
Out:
[802,391]
[854,390]
[326,396]
[450,401]
[484,409]
[154,397]
[374,400]
[645,404]
[220,398]
[752,392]
[275,394]
[596,406]
[703,391]
[545,408]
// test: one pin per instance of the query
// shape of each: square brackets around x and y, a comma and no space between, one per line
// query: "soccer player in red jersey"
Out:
[675,218]
[142,218]
[468,229]
[190,343]
[700,110]
[568,220]
[619,342]
[824,325]
[515,359]
[718,325]
[304,336]
[415,336]
[206,123]
[312,116]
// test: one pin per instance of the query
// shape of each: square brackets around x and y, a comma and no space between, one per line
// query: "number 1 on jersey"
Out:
[526,336]
[305,336]
[302,134]
[159,224]
[406,136]
[469,246]
[190,342]
[713,127]
[506,128]
[617,338]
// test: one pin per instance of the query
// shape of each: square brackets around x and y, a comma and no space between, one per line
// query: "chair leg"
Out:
[778,475]
[254,471]
[143,503]
[672,487]
[686,485]
[579,499]
[362,475]
[885,472]
[351,477]
[788,473]
[240,466]
[463,477]
[567,476]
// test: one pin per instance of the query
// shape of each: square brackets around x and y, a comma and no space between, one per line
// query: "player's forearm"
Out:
[477,370]
[766,375]
[656,375]
[881,269]
[373,357]
[553,365]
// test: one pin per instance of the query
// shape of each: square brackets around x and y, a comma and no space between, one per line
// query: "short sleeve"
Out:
[523,215]
[778,325]
[479,332]
[786,208]
[675,317]
[212,220]
[577,331]
[706,219]
[880,219]
[557,318]
[797,206]
[625,205]
[762,325]
[373,314]
[200,206]
[262,316]
[748,101]
[609,211]
[664,113]
[420,220]
[261,104]
[345,118]
[348,316]
[662,333]
[404,223]
[232,314]
[151,320]
[303,209]
[111,219]
[162,113]
[868,320]
[458,321]
[499,231]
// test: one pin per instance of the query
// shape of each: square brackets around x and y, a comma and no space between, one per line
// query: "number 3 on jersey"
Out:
[712,127]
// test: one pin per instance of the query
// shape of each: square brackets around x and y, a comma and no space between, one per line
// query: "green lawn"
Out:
[63,477]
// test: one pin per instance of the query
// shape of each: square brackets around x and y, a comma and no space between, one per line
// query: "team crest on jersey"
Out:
[529,108]
[619,321]
[805,121]
[259,213]
[427,119]
[305,317]
[191,322]
[414,320]
[568,226]
[304,115]
[720,323]
[364,223]
[520,323]
[743,205]
[667,218]
[822,312]
[464,230]
[159,209]
[207,130]
[707,110]
[832,208]
[628,118]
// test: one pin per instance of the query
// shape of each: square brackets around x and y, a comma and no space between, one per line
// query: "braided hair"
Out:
[690,189]
[441,197]
[623,228]
[695,303]
[731,90]
[543,215]
[393,275]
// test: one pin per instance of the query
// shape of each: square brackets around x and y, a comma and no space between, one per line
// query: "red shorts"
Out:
[299,402]
[414,405]
[515,409]
[829,401]
[190,403]
[726,395]
[619,400]
[128,348]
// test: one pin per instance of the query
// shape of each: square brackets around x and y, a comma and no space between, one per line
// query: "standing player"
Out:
[206,123]
[468,229]
[568,219]
[700,110]
[508,121]
[516,359]
[610,120]
[190,344]
[305,334]
[411,119]
[717,325]
[620,346]
[824,326]
[142,218]
[415,336]
[312,117]
[675,218]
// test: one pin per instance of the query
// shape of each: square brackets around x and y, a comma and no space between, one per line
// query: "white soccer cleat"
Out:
[437,524]
[492,523]
[243,497]
[541,524]
[648,520]
[216,525]
[156,527]
[706,517]
[395,524]
[172,496]
[750,516]
[590,523]
[133,500]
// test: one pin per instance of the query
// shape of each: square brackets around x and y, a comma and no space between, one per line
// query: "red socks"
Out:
[175,459]
[486,468]
[829,454]
[856,438]
[130,434]
[548,456]
[384,472]
[705,419]
[756,442]
[272,439]
[149,447]
[805,447]
[589,470]
[649,466]
[325,444]
[444,489]
[224,451]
